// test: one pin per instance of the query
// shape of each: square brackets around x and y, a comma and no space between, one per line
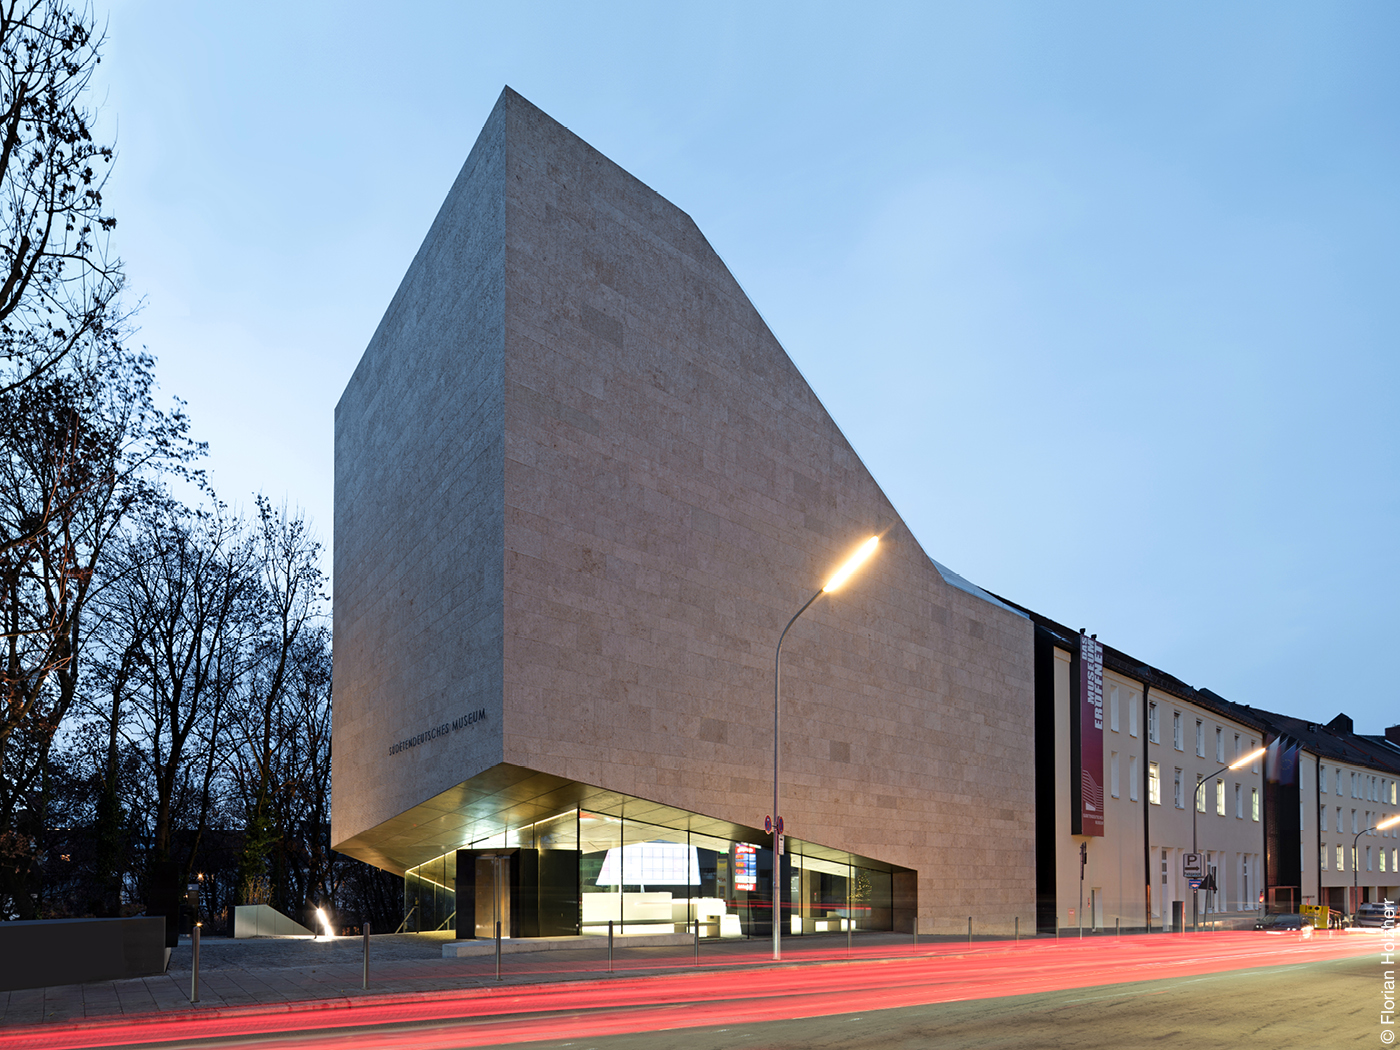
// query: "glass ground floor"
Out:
[576,870]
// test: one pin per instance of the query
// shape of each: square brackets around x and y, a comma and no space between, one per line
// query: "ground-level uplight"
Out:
[325,922]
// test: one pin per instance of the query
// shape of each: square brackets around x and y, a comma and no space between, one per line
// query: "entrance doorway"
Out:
[492,894]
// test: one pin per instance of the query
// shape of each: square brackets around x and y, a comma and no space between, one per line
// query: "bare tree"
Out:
[57,283]
[184,596]
[288,559]
[79,451]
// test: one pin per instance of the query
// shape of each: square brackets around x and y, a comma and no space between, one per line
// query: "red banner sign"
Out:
[1090,726]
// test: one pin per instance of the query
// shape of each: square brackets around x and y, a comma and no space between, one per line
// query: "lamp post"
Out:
[854,562]
[1197,803]
[1355,859]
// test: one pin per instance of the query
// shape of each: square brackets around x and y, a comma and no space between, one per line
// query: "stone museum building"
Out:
[581,489]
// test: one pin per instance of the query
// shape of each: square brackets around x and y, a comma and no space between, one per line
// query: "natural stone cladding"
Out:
[580,488]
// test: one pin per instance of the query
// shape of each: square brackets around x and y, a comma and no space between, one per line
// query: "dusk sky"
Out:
[1104,294]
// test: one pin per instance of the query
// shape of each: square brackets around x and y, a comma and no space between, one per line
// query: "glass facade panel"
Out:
[601,901]
[430,896]
[579,870]
[824,896]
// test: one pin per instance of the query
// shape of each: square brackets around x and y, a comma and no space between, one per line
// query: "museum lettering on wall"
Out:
[471,718]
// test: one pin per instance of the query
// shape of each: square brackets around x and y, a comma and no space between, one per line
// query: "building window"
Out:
[1340,858]
[1254,803]
[1355,827]
[1239,802]
[1153,730]
[1382,853]
[1368,858]
[1238,752]
[1322,858]
[1392,792]
[1113,774]
[1254,767]
[1219,744]
[1354,789]
[1353,859]
[1322,779]
[1132,714]
[1178,790]
[1154,784]
[1200,739]
[1199,795]
[1113,708]
[1337,775]
[1132,778]
[1340,826]
[1220,798]
[1322,818]
[1178,740]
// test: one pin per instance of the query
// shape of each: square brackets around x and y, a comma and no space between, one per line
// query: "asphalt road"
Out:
[1227,990]
[1311,1006]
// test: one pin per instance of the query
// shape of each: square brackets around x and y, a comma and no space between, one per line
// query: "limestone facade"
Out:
[580,488]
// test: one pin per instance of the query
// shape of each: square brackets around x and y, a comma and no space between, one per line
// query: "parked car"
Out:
[1373,915]
[1286,923]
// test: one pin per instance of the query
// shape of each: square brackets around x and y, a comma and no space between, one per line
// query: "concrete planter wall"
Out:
[48,952]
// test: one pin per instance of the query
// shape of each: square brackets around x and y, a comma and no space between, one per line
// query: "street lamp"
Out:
[841,575]
[1387,823]
[1197,803]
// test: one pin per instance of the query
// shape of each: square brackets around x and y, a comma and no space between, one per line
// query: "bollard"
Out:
[697,942]
[1118,926]
[1018,929]
[366,980]
[610,964]
[1057,929]
[194,972]
[969,931]
[916,931]
[498,949]
[849,924]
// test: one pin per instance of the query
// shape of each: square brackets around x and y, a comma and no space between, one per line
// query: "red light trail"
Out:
[604,1007]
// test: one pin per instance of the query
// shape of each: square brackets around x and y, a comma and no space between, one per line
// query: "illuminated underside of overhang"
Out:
[508,796]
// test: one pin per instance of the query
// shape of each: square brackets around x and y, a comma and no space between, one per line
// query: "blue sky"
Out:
[1104,294]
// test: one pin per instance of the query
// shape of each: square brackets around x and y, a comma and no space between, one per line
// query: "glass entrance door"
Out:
[492,894]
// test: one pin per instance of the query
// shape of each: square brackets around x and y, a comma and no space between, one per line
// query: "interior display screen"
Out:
[745,866]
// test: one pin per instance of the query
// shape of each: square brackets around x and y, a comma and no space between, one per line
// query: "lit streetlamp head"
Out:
[854,562]
[1245,760]
[1388,823]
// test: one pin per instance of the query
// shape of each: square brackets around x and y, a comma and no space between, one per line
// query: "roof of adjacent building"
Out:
[1334,740]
